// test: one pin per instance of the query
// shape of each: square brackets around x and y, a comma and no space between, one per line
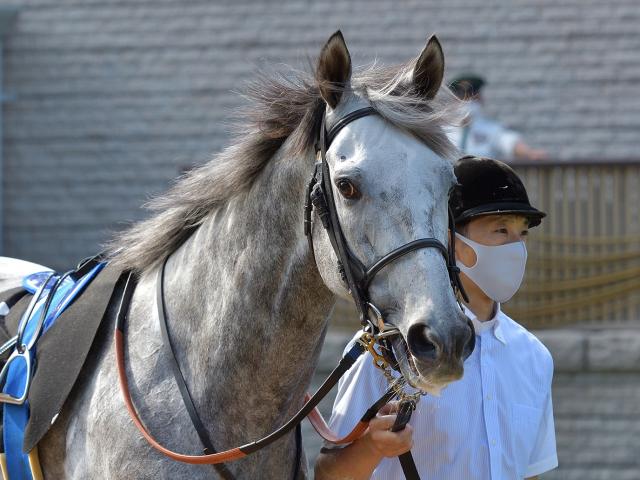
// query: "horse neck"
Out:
[245,302]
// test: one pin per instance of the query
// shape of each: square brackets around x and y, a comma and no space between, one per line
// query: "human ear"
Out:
[465,254]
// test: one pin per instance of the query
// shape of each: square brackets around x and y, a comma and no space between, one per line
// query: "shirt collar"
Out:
[494,324]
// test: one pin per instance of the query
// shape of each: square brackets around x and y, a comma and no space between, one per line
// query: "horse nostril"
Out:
[421,343]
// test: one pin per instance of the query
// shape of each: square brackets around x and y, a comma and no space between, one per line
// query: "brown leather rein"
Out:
[357,279]
[309,409]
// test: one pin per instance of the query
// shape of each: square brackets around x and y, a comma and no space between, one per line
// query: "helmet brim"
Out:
[534,215]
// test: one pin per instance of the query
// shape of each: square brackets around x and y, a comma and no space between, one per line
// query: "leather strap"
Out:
[399,252]
[298,463]
[347,119]
[409,468]
[323,430]
[404,415]
[345,257]
[228,455]
[454,270]
[221,468]
[87,264]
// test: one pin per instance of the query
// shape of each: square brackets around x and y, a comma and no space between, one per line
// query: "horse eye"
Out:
[347,189]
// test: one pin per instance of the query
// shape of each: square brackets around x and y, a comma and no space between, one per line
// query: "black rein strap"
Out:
[221,468]
[405,409]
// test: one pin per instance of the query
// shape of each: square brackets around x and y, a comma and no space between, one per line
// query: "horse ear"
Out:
[334,69]
[429,69]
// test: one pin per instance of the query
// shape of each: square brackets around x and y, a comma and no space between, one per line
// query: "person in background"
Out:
[479,135]
[496,422]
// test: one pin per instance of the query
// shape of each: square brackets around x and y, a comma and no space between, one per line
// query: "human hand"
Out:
[538,154]
[379,438]
[522,151]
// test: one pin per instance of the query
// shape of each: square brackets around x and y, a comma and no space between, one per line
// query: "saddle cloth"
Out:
[62,350]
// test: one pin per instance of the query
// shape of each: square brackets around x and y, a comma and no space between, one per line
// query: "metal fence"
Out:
[584,260]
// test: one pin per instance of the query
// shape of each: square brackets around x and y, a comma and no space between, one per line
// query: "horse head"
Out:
[390,176]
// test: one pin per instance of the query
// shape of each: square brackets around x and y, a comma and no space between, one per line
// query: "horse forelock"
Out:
[284,111]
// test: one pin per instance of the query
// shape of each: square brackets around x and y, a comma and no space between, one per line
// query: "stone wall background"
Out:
[595,392]
[113,98]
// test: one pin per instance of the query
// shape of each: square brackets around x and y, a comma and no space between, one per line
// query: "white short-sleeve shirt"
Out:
[495,423]
[484,137]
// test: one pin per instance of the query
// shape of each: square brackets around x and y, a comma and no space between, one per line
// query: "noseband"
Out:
[356,276]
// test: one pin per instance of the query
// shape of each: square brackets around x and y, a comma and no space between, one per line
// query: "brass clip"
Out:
[368,341]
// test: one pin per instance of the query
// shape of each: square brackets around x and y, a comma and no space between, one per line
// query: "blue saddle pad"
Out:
[19,370]
[64,295]
[31,283]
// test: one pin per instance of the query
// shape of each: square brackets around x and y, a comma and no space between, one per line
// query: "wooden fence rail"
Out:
[584,260]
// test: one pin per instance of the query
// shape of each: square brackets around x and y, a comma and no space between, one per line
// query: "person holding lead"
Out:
[496,422]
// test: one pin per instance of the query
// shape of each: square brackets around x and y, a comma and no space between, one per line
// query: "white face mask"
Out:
[498,270]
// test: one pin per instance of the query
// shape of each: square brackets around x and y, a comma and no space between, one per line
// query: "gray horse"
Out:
[247,305]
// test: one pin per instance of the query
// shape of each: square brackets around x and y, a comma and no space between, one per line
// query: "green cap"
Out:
[467,85]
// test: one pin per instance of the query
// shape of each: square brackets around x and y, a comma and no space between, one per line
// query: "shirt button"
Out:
[488,397]
[493,442]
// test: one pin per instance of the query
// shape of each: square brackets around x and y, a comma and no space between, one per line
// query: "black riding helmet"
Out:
[487,186]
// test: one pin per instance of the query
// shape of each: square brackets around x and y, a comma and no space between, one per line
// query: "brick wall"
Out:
[113,97]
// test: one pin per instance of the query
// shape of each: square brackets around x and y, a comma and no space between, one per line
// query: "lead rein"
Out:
[308,409]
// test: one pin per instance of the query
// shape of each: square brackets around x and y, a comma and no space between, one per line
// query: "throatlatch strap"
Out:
[221,468]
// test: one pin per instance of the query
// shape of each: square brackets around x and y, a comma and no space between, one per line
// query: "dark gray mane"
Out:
[282,108]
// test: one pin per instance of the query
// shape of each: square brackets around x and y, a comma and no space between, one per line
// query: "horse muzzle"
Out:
[427,357]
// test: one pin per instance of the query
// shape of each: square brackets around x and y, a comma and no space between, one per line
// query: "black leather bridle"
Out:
[356,276]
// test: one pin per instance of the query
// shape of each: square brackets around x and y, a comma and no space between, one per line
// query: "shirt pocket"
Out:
[525,422]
